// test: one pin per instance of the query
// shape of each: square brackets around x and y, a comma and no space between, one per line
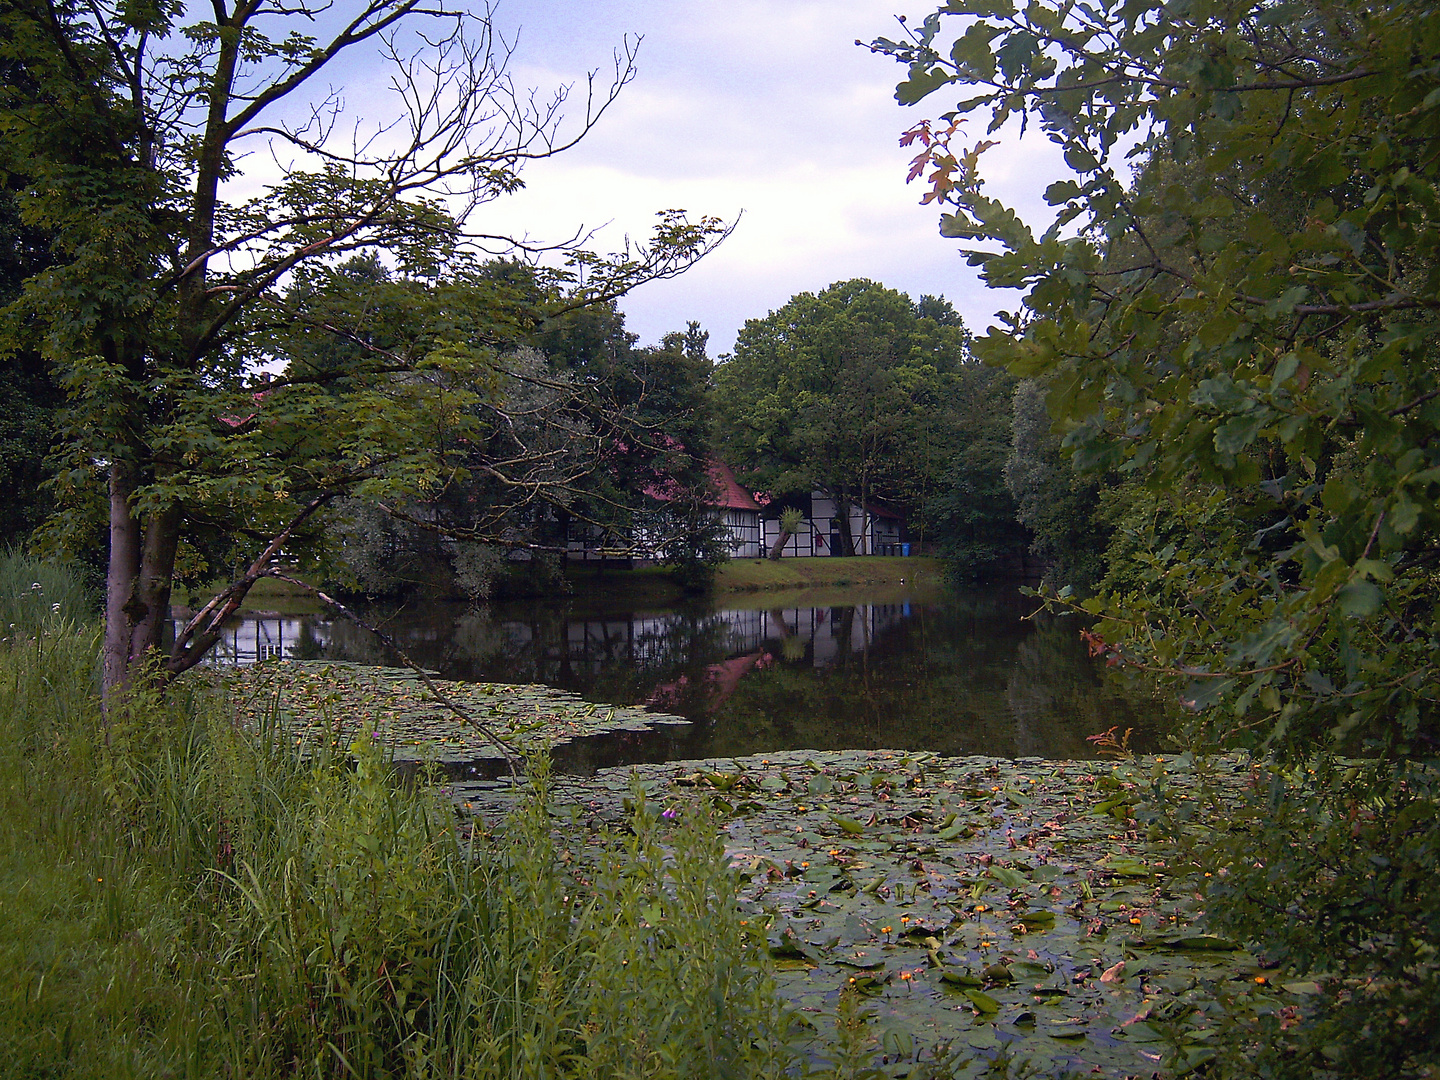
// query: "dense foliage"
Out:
[1243,337]
[29,425]
[128,123]
[574,430]
[862,394]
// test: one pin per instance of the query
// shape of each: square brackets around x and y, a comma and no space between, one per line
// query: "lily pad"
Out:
[982,1001]
[855,883]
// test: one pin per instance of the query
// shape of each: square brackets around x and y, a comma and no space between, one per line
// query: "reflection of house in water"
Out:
[251,638]
[834,632]
[655,641]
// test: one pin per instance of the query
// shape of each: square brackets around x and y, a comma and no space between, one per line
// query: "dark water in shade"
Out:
[954,673]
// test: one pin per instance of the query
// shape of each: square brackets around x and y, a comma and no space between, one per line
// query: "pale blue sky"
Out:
[765,106]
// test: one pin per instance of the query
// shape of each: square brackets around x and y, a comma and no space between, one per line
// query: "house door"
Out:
[836,545]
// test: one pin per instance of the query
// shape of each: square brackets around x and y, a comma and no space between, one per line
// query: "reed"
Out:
[180,897]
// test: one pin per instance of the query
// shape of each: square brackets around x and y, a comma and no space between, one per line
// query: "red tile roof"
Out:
[731,495]
[728,494]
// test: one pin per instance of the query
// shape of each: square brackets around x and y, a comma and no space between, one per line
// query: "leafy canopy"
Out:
[830,391]
[129,123]
[1256,311]
[1235,309]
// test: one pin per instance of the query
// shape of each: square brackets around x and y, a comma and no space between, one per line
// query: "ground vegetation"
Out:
[1233,315]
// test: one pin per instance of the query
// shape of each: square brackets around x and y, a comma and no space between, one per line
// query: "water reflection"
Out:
[959,674]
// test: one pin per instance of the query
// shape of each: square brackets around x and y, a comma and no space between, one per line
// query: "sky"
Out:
[763,112]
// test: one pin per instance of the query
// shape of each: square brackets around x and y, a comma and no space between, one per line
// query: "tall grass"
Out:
[189,899]
[35,594]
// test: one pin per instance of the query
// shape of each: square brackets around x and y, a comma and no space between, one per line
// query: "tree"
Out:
[1249,328]
[29,425]
[131,128]
[825,393]
[790,521]
[1057,506]
[970,514]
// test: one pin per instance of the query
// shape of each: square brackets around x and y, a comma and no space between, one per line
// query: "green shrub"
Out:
[191,899]
[1334,870]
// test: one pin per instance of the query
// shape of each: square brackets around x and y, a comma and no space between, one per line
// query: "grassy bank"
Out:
[654,586]
[755,575]
[182,897]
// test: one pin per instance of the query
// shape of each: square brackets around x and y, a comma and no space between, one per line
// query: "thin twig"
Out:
[512,757]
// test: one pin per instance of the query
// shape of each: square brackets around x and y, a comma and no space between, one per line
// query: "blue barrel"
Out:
[905,550]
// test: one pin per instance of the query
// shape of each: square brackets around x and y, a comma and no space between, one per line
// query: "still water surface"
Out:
[953,672]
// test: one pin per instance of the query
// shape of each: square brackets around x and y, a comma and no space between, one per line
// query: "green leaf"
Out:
[1126,866]
[1036,920]
[1236,434]
[982,1001]
[1360,599]
[957,977]
[921,84]
[1011,879]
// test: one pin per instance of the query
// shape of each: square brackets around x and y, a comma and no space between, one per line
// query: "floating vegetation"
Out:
[995,906]
[329,702]
[980,908]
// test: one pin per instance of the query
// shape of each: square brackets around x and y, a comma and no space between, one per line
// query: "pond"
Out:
[953,673]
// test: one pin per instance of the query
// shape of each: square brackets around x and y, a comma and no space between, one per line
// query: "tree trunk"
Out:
[779,545]
[842,515]
[121,577]
[137,582]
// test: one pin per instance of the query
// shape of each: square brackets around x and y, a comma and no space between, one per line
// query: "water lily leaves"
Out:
[1198,942]
[327,703]
[982,1001]
[861,959]
[1011,879]
[1139,1032]
[959,977]
[1038,920]
[869,984]
[997,973]
[917,919]
[788,944]
[1028,969]
[1125,866]
[855,929]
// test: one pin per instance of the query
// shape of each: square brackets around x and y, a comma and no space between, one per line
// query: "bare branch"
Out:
[512,756]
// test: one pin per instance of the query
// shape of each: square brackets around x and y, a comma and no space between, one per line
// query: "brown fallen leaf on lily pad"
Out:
[1113,974]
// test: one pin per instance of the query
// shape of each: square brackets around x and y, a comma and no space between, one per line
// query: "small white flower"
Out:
[36,586]
[55,608]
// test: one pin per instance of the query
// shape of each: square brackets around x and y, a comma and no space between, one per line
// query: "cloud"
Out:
[765,107]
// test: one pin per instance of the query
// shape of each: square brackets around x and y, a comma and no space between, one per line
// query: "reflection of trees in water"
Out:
[963,679]
[1057,696]
[965,676]
[616,657]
